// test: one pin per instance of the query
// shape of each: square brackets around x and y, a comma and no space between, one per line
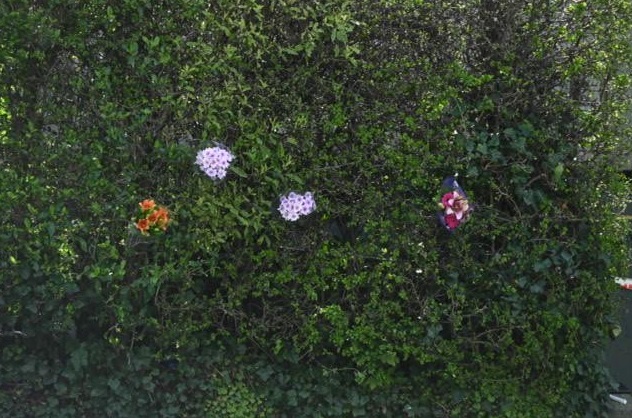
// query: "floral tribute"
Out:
[214,161]
[295,205]
[455,207]
[151,218]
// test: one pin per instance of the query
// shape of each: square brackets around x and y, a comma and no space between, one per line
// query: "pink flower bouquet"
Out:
[455,207]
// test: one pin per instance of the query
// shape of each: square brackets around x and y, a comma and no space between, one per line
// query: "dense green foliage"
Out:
[366,307]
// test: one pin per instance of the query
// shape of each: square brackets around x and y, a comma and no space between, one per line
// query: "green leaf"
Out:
[389,358]
[114,384]
[557,172]
[79,358]
[542,265]
[238,171]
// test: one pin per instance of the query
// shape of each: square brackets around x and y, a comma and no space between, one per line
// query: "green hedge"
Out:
[367,307]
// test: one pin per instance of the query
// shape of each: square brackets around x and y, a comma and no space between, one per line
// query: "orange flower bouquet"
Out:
[151,218]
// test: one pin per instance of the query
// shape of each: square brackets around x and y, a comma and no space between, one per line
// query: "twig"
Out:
[13,334]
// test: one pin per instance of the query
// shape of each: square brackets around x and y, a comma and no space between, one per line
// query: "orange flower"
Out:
[162,218]
[143,225]
[147,204]
[153,217]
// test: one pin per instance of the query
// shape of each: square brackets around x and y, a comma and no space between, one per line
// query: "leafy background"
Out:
[365,308]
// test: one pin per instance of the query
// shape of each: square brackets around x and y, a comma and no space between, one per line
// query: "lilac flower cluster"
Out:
[294,205]
[214,162]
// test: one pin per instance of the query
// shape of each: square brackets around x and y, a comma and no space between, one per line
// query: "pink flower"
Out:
[451,221]
[448,199]
[454,203]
